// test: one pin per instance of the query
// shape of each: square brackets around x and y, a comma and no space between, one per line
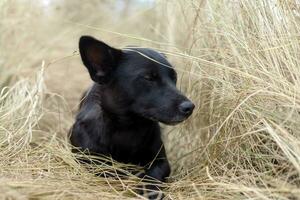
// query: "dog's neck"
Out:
[114,111]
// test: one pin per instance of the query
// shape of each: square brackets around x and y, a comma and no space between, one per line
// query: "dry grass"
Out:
[238,61]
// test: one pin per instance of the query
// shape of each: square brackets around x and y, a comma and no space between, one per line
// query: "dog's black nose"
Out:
[186,107]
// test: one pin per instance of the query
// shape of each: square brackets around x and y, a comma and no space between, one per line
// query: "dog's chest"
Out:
[129,146]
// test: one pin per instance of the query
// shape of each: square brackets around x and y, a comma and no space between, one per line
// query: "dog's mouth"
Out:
[172,122]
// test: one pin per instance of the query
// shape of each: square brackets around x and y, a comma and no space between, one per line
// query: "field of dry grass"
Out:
[237,60]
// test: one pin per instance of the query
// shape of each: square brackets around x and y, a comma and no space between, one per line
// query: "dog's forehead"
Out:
[145,51]
[144,59]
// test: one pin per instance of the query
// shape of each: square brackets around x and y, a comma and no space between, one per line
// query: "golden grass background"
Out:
[237,60]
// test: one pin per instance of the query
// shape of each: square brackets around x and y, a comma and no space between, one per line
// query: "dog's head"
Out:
[135,80]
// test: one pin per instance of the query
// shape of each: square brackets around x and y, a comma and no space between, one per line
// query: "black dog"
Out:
[134,89]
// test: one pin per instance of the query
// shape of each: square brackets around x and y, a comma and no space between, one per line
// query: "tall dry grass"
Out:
[237,60]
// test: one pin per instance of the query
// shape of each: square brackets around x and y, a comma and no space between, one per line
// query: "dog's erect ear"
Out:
[99,58]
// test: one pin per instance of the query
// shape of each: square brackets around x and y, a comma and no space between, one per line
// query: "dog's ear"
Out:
[99,58]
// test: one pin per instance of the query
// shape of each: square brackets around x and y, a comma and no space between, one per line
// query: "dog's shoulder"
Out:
[89,112]
[90,107]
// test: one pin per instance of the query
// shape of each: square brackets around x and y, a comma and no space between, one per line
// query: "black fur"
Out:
[134,89]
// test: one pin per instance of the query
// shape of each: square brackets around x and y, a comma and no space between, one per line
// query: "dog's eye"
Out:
[149,77]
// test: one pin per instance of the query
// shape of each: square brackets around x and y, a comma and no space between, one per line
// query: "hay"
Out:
[239,63]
